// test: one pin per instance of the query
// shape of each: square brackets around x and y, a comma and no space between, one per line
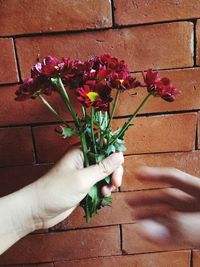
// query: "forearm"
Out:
[17,216]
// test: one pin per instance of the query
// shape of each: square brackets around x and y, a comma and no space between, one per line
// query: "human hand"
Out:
[54,196]
[60,190]
[179,221]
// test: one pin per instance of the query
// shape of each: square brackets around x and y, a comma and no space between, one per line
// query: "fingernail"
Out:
[154,229]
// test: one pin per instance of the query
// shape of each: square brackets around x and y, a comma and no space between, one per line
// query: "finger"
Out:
[154,231]
[98,172]
[107,189]
[179,228]
[116,178]
[73,159]
[175,198]
[173,177]
[154,212]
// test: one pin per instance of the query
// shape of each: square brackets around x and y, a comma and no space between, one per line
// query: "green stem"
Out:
[92,129]
[84,149]
[127,124]
[84,112]
[113,108]
[67,102]
[51,109]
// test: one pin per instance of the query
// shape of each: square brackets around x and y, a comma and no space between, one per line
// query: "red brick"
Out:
[16,177]
[31,111]
[187,80]
[104,241]
[8,66]
[188,162]
[196,258]
[198,132]
[39,265]
[142,11]
[134,243]
[50,145]
[198,42]
[61,15]
[151,134]
[16,146]
[141,47]
[164,259]
[119,212]
[160,133]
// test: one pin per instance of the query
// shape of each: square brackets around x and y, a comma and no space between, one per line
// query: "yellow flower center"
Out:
[56,67]
[121,81]
[93,96]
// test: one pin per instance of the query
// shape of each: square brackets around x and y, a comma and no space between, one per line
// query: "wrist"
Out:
[23,210]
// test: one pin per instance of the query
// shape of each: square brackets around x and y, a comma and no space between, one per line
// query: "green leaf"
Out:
[107,179]
[93,193]
[119,145]
[110,149]
[67,132]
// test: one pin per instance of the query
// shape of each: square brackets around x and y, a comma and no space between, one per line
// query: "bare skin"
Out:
[179,221]
[54,196]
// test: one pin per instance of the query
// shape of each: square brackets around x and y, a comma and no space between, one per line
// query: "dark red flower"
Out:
[98,96]
[50,67]
[161,87]
[25,90]
[36,70]
[123,84]
[151,78]
[32,86]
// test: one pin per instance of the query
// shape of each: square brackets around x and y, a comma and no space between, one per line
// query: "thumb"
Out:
[104,168]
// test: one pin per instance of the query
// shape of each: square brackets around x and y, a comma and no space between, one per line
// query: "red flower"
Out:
[50,67]
[32,86]
[98,96]
[127,83]
[26,90]
[36,70]
[161,87]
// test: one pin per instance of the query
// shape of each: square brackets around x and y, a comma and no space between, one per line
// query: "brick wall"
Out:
[162,34]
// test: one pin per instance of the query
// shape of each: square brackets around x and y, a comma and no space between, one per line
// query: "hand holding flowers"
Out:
[94,81]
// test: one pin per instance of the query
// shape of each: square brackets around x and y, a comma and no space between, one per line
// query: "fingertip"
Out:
[117,175]
[154,230]
[106,190]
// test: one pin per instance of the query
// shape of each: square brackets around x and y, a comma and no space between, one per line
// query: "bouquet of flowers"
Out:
[98,83]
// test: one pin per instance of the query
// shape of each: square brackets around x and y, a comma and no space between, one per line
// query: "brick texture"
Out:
[143,11]
[31,111]
[196,258]
[187,80]
[144,53]
[198,42]
[61,15]
[16,177]
[160,133]
[119,213]
[50,145]
[187,161]
[64,246]
[165,259]
[8,66]
[16,146]
[134,243]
